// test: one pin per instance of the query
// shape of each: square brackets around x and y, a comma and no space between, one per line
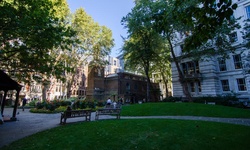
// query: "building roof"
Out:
[6,83]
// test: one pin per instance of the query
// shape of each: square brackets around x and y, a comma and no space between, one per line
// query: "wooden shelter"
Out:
[6,84]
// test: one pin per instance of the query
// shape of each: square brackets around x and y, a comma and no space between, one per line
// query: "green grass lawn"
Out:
[143,134]
[147,134]
[184,109]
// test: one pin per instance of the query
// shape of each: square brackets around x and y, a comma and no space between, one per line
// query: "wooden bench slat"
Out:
[75,113]
[108,111]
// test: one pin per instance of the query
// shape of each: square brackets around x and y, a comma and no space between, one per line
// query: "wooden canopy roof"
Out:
[6,83]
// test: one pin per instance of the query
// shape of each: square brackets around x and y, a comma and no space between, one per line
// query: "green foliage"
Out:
[206,26]
[61,105]
[205,23]
[144,45]
[83,104]
[219,100]
[225,100]
[30,31]
[43,110]
[94,40]
[172,99]
[33,103]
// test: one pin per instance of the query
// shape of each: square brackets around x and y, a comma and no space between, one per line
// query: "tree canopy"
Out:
[95,41]
[143,45]
[29,31]
[206,26]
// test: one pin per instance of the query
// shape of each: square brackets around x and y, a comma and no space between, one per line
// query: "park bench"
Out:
[75,113]
[109,110]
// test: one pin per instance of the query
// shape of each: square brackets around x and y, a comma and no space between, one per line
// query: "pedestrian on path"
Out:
[24,101]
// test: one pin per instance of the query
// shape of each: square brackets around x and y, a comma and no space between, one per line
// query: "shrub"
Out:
[33,103]
[40,105]
[60,105]
[83,104]
[65,103]
[100,103]
[226,100]
[171,99]
[61,109]
[51,106]
[91,104]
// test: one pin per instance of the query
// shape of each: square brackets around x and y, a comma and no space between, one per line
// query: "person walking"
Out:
[24,102]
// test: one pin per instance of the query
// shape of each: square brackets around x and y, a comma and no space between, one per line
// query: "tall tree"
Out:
[207,25]
[95,41]
[246,44]
[163,69]
[143,45]
[29,32]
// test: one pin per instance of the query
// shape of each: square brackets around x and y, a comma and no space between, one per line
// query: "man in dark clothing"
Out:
[24,102]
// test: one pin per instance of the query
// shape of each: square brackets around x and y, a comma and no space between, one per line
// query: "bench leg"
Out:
[90,117]
[96,116]
[62,116]
[65,120]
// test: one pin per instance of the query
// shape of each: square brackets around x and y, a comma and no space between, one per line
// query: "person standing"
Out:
[24,102]
[109,101]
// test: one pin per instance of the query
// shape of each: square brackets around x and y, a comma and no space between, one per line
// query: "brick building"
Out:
[130,87]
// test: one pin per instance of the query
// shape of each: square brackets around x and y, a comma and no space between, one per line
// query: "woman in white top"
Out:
[109,101]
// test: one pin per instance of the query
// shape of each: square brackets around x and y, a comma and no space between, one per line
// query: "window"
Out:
[233,37]
[192,87]
[199,86]
[135,86]
[127,87]
[195,87]
[99,72]
[237,61]
[222,64]
[241,84]
[191,67]
[225,85]
[114,62]
[248,12]
[184,68]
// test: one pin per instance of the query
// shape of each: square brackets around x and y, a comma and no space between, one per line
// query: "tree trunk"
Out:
[44,91]
[182,80]
[165,81]
[148,88]
[69,86]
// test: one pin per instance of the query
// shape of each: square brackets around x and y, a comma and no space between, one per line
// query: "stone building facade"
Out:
[217,76]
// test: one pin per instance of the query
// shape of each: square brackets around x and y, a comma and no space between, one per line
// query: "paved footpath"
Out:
[29,123]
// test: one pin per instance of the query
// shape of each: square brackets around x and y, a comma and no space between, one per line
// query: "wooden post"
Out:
[3,101]
[15,106]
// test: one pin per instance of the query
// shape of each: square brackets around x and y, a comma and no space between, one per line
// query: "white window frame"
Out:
[237,63]
[222,64]
[239,85]
[247,11]
[225,86]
